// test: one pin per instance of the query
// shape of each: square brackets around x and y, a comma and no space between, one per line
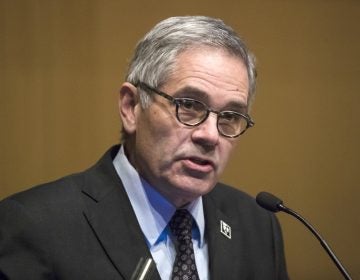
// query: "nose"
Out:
[207,134]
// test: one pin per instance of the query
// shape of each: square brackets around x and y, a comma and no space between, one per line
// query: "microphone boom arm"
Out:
[323,243]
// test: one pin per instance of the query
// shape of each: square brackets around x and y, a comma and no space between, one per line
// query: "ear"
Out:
[128,100]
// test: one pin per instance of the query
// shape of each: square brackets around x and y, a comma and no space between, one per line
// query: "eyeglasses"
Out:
[191,112]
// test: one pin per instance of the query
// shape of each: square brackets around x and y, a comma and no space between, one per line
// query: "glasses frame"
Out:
[177,103]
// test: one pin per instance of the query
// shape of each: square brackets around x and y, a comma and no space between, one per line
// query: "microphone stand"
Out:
[323,243]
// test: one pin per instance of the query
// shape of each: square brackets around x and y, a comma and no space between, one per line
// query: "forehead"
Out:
[222,77]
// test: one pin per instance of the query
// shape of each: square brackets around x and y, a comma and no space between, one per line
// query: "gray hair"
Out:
[155,55]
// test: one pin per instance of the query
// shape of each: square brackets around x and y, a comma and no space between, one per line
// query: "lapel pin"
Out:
[225,229]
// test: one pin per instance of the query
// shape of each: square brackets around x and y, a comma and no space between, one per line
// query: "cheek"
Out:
[158,136]
[225,152]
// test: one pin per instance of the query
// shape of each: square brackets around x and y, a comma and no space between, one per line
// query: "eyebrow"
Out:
[190,91]
[203,96]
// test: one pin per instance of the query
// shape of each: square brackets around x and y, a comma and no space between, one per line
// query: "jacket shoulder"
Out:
[67,189]
[225,196]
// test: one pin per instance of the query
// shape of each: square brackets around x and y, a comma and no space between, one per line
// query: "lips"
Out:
[199,164]
[200,161]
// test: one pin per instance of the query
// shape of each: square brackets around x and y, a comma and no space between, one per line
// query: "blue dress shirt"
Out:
[154,212]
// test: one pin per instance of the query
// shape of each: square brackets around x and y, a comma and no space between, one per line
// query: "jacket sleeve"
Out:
[21,252]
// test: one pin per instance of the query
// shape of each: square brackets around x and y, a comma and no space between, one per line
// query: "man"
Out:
[183,106]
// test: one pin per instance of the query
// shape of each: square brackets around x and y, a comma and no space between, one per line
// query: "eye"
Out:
[187,104]
[191,104]
[230,116]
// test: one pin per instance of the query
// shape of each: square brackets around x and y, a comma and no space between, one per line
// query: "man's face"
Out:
[184,162]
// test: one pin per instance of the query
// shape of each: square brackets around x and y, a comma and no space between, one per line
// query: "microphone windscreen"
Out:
[268,201]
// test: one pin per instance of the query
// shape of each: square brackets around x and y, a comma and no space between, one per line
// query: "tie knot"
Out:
[181,224]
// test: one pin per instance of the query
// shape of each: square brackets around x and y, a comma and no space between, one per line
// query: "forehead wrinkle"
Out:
[217,81]
[204,96]
[194,68]
[222,77]
[217,85]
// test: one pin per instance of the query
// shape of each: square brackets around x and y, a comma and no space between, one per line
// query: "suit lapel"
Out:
[112,219]
[222,241]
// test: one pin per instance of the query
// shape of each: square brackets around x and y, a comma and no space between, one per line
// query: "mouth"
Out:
[199,164]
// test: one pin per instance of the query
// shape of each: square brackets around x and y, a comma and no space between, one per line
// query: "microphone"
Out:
[275,204]
[144,269]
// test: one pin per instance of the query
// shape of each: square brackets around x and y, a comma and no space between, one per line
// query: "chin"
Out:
[185,192]
[196,187]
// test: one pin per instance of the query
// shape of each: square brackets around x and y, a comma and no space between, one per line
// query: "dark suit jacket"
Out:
[83,227]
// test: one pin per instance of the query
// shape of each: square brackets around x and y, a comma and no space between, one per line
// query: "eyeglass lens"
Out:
[192,112]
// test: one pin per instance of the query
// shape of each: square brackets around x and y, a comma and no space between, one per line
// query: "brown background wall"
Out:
[62,63]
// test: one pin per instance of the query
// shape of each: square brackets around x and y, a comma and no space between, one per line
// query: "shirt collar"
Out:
[153,210]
